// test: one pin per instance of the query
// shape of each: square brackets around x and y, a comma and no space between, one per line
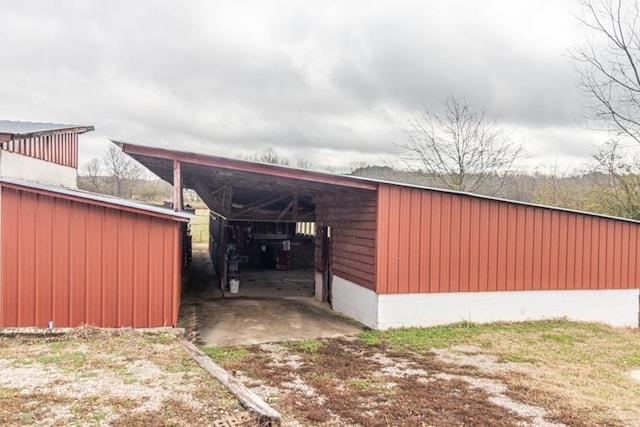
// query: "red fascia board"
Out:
[245,166]
[85,200]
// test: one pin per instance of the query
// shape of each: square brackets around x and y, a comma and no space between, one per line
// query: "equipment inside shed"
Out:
[270,256]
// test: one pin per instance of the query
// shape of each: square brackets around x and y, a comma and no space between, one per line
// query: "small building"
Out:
[394,255]
[71,257]
[40,152]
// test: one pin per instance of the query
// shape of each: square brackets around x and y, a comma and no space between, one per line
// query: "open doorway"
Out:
[265,259]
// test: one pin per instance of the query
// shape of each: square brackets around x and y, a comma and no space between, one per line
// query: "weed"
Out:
[307,346]
[27,418]
[370,337]
[99,416]
[225,354]
[559,338]
[518,358]
[361,383]
[71,360]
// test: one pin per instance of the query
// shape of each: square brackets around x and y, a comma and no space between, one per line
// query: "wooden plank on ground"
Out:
[248,398]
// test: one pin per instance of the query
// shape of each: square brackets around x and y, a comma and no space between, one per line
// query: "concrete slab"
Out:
[271,306]
[275,284]
[242,321]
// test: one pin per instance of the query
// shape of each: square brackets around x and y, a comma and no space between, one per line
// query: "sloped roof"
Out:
[15,129]
[97,199]
[207,174]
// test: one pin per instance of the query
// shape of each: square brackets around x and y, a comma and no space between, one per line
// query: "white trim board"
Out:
[616,307]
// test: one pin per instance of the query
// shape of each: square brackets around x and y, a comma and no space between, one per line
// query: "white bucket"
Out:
[234,286]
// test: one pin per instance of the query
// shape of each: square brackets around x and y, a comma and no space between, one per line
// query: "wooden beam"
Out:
[295,207]
[284,212]
[258,205]
[227,201]
[177,187]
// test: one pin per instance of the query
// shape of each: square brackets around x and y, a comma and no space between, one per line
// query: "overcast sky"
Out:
[332,81]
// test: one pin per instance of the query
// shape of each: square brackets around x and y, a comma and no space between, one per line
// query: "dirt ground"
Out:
[499,376]
[92,377]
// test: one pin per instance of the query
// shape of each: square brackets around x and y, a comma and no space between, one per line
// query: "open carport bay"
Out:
[271,306]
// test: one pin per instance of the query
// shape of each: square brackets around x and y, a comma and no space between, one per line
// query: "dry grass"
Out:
[200,226]
[587,366]
[499,374]
[93,377]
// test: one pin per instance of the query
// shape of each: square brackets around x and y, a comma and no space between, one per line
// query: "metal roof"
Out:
[17,129]
[99,199]
[212,172]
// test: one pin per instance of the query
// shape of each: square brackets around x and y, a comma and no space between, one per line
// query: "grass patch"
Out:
[222,355]
[424,339]
[200,226]
[421,339]
[307,346]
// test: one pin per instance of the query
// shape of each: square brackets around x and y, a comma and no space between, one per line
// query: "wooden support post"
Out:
[177,187]
[295,207]
[228,200]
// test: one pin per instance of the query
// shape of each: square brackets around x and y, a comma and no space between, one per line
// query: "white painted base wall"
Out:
[318,289]
[355,301]
[17,166]
[619,307]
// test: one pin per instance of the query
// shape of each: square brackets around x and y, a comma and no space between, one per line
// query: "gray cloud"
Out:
[335,81]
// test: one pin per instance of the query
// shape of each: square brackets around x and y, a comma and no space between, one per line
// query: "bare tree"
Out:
[120,168]
[619,189]
[93,171]
[608,64]
[302,163]
[461,148]
[270,155]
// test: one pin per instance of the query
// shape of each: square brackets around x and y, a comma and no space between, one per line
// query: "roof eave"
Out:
[248,166]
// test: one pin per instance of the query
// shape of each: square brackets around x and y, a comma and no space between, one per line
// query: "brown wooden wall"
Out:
[77,263]
[352,218]
[431,241]
[60,148]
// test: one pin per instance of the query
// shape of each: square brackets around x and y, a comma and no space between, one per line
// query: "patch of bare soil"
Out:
[345,382]
[94,377]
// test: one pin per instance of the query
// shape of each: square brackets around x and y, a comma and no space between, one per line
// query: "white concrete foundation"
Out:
[18,166]
[355,301]
[619,307]
[318,286]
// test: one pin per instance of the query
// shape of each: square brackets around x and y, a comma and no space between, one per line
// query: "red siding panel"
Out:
[76,263]
[61,277]
[125,270]
[470,244]
[353,218]
[60,148]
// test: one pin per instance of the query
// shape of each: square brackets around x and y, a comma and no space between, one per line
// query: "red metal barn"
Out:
[76,258]
[394,255]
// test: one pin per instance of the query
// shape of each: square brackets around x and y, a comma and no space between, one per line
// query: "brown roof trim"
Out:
[248,166]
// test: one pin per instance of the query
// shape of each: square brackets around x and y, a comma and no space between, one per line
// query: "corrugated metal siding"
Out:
[60,148]
[430,241]
[76,263]
[352,219]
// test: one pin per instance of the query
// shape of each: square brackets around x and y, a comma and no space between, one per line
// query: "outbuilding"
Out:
[395,255]
[70,257]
